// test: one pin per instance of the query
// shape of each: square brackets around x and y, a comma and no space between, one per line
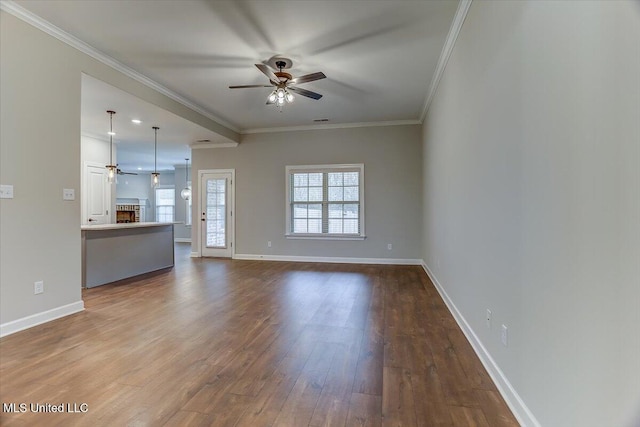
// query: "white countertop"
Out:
[123,225]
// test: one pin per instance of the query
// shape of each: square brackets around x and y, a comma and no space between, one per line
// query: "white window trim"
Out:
[155,201]
[324,168]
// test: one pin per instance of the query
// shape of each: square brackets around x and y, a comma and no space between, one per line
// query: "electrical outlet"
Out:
[269,244]
[389,246]
[38,287]
[68,194]
[488,319]
[504,337]
[6,191]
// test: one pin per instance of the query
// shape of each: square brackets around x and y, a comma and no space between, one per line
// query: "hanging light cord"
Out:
[155,150]
[110,137]
[186,175]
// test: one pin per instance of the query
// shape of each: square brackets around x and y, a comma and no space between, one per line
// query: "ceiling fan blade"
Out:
[268,72]
[308,78]
[244,86]
[305,92]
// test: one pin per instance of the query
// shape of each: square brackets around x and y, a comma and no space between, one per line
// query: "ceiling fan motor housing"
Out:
[284,77]
[279,63]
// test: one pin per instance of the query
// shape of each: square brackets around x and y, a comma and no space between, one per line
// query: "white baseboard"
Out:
[195,254]
[338,260]
[520,410]
[39,318]
[182,240]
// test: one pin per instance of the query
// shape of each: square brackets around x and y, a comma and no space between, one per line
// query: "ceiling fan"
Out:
[119,172]
[284,83]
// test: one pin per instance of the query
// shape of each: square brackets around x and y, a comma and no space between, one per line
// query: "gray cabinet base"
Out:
[110,255]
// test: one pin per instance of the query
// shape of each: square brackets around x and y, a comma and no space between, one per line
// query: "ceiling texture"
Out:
[379,56]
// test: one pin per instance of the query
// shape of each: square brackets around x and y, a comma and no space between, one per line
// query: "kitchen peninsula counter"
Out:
[112,252]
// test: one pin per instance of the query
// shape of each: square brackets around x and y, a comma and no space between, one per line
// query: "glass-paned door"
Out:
[216,214]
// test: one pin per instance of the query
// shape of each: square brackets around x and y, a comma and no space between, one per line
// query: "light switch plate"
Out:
[68,194]
[6,191]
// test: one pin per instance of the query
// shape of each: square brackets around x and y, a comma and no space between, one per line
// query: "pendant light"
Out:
[186,191]
[155,176]
[112,170]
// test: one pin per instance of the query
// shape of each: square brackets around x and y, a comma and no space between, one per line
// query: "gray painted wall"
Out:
[139,186]
[40,155]
[40,85]
[391,156]
[532,200]
[181,230]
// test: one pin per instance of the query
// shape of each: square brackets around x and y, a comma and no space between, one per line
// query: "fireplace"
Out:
[127,213]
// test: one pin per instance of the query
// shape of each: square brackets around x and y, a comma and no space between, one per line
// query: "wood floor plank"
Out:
[457,388]
[398,408]
[333,405]
[471,365]
[186,418]
[464,416]
[218,342]
[265,408]
[495,409]
[365,410]
[368,378]
[429,400]
[301,402]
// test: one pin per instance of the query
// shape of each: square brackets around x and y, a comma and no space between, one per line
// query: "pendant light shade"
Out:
[112,170]
[155,176]
[186,191]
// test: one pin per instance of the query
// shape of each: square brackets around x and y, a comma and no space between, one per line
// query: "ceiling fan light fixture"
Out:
[272,97]
[289,97]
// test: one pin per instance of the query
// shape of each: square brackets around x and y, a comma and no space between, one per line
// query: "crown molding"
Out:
[450,41]
[330,126]
[197,146]
[18,11]
[36,21]
[95,136]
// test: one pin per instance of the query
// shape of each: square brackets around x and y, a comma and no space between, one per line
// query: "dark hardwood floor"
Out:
[254,343]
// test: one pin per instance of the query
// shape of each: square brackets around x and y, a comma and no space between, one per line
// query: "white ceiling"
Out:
[379,55]
[134,142]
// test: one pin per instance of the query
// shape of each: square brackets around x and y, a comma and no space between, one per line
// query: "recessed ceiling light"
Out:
[136,121]
[139,169]
[111,133]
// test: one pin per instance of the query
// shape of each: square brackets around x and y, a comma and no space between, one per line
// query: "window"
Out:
[325,201]
[165,204]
